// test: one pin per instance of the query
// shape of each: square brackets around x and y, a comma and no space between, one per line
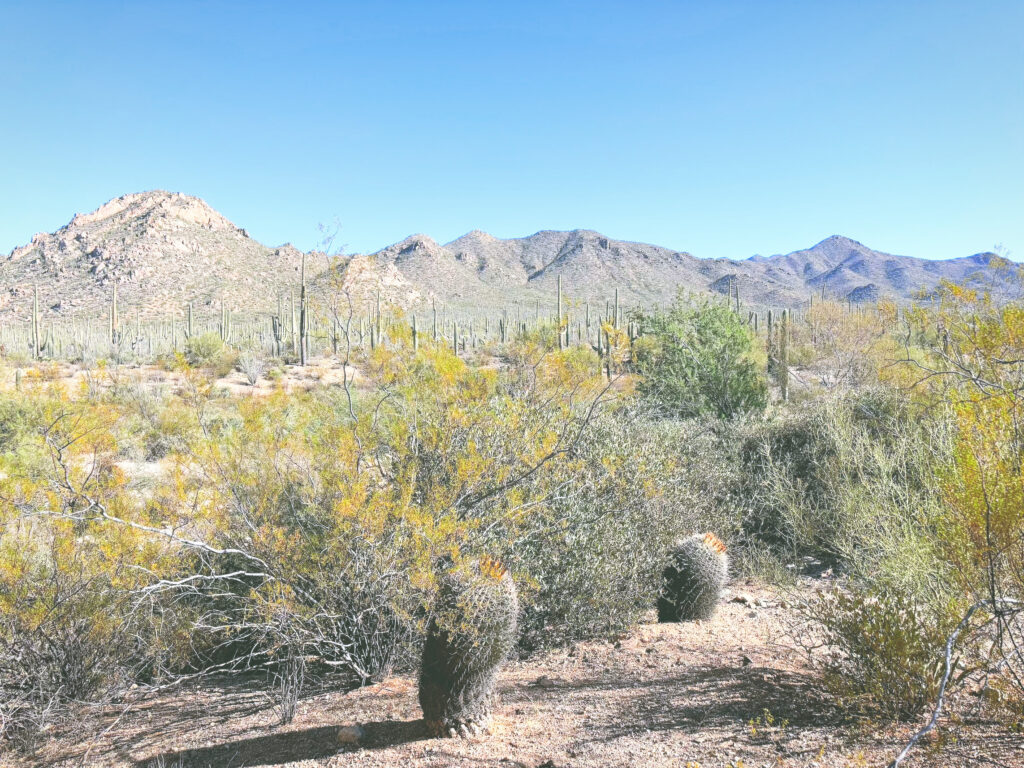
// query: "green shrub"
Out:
[696,358]
[851,480]
[590,561]
[208,350]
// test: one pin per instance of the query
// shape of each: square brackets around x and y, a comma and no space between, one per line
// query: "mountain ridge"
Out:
[164,249]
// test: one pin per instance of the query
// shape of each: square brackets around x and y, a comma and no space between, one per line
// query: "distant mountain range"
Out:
[478,268]
[164,249]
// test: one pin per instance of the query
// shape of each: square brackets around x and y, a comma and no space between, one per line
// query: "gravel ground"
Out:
[726,693]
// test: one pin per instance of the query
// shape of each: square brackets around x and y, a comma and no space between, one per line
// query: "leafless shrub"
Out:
[287,680]
[252,366]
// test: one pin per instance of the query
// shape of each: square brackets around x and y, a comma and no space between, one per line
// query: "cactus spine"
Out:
[472,630]
[693,580]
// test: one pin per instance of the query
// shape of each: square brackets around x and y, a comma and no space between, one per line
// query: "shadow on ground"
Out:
[704,697]
[290,746]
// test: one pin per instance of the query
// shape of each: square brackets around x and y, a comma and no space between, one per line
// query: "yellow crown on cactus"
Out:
[715,543]
[492,568]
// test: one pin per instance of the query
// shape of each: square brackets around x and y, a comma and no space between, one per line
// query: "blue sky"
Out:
[721,128]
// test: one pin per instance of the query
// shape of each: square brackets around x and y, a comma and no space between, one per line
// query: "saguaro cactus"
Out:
[303,320]
[784,356]
[37,351]
[692,581]
[115,321]
[471,632]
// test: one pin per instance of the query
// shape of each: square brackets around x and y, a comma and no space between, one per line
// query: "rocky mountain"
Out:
[161,249]
[164,249]
[478,268]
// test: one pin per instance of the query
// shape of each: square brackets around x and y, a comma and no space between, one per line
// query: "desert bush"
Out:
[253,366]
[333,509]
[969,348]
[208,351]
[590,561]
[851,479]
[883,651]
[698,357]
[67,637]
[843,348]
[70,633]
[18,417]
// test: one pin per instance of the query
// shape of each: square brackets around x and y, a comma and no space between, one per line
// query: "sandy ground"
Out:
[320,371]
[728,693]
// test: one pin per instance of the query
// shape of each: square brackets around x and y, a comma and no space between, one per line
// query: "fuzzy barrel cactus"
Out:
[471,632]
[692,581]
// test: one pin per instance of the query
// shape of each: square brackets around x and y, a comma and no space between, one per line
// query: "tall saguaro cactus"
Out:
[36,350]
[302,313]
[115,322]
[783,365]
[558,313]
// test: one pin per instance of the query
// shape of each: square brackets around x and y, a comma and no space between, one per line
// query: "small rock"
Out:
[350,734]
[746,661]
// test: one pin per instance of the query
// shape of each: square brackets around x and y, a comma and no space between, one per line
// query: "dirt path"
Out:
[722,694]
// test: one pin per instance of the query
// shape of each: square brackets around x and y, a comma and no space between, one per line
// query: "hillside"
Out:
[164,249]
[161,249]
[479,268]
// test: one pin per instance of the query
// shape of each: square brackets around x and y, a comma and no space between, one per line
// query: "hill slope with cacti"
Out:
[166,249]
[161,249]
[479,268]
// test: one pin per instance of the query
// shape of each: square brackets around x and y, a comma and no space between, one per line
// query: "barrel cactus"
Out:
[693,579]
[472,629]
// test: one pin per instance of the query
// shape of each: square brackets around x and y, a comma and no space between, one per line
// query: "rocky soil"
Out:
[727,693]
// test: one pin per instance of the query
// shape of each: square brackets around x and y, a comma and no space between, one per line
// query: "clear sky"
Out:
[722,128]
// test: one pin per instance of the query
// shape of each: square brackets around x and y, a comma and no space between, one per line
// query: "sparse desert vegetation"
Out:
[277,553]
[511,385]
